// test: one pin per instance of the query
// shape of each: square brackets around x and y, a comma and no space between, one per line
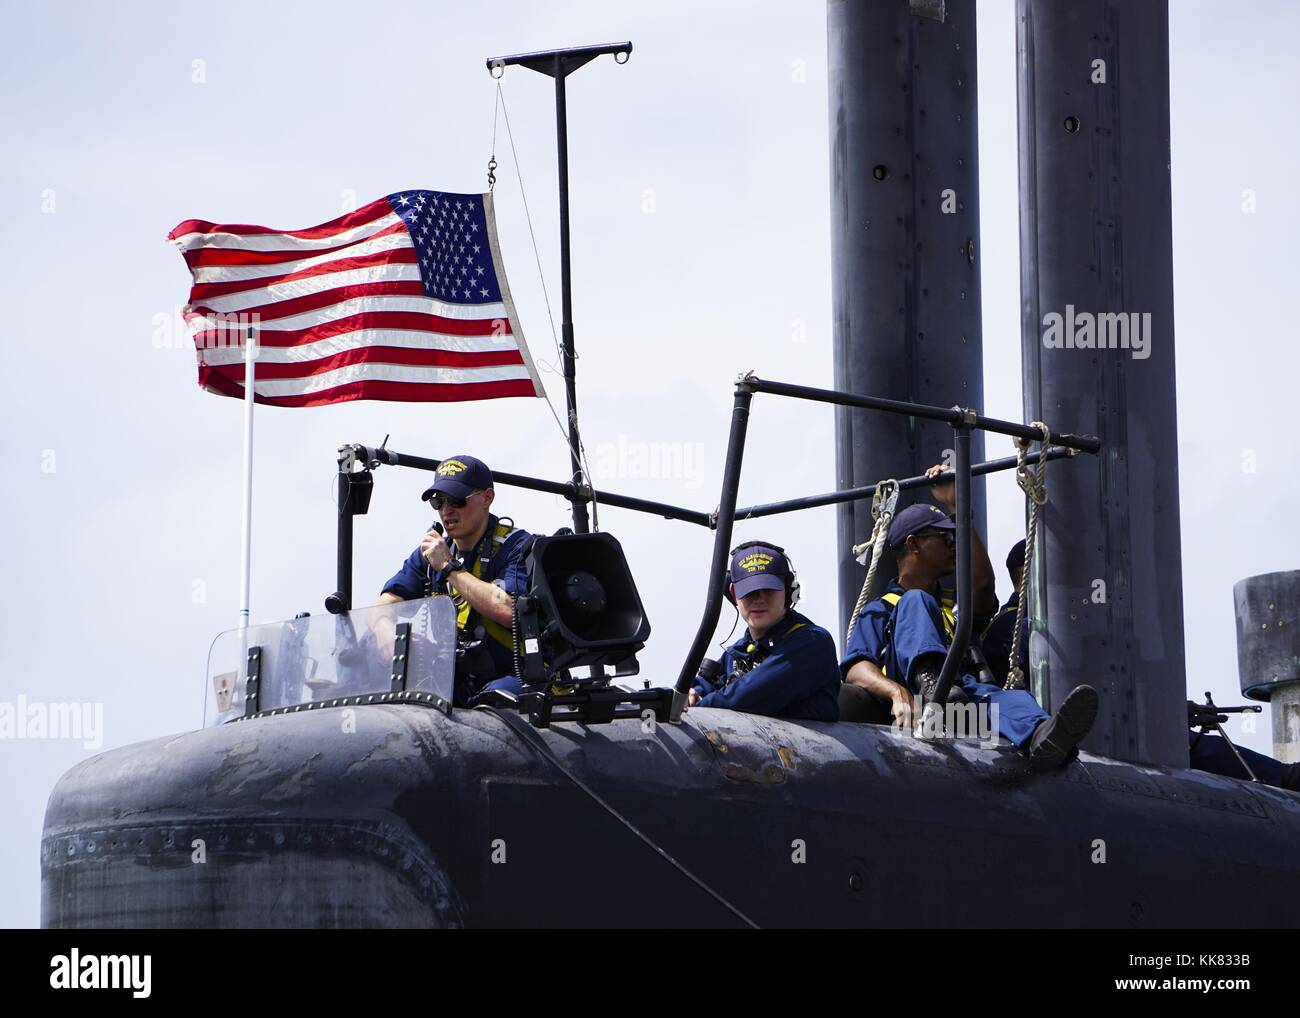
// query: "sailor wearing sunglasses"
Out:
[898,645]
[479,561]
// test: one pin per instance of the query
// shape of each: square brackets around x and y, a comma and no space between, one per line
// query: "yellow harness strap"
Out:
[495,630]
[798,625]
[945,603]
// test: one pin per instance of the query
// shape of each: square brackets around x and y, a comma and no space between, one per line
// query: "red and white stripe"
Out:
[341,314]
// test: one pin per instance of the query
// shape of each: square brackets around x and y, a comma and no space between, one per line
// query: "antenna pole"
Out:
[559,64]
[246,528]
[580,524]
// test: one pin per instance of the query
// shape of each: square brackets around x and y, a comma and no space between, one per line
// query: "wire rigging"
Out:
[579,451]
[539,746]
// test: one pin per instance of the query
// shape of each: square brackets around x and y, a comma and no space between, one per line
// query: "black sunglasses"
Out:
[438,500]
[949,537]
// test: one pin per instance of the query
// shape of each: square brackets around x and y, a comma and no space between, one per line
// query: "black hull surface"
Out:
[416,819]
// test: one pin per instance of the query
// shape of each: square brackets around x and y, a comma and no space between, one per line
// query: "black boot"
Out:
[1054,741]
[925,675]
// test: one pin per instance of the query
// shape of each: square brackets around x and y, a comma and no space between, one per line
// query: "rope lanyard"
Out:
[883,503]
[1034,485]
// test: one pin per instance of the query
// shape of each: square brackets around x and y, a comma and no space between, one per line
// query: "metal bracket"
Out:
[401,657]
[745,381]
[559,62]
[252,688]
[593,705]
[935,10]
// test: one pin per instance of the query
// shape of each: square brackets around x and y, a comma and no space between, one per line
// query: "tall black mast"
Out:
[559,64]
[905,244]
[1096,239]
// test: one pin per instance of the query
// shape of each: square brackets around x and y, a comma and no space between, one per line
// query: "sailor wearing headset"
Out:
[480,563]
[784,665]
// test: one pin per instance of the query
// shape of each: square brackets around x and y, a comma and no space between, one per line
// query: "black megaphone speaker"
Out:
[589,611]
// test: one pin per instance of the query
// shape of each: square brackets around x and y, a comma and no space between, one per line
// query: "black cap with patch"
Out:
[917,517]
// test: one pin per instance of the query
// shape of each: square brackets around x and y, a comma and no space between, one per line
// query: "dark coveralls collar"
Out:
[782,628]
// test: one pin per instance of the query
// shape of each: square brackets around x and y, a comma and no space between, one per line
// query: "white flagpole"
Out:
[250,353]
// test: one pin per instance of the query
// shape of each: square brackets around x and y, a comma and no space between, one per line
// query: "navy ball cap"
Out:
[459,477]
[917,517]
[758,567]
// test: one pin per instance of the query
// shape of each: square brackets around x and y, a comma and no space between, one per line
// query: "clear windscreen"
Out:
[324,657]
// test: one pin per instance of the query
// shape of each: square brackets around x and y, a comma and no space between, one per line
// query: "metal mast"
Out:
[559,64]
[904,242]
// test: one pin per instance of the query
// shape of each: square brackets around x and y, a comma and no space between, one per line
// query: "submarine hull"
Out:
[401,816]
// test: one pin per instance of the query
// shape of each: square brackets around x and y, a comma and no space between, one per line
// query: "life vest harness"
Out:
[946,605]
[1005,610]
[469,621]
[756,653]
[974,658]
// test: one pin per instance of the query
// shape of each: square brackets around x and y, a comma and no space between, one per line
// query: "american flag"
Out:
[403,299]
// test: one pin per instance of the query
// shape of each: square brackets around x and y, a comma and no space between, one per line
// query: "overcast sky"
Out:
[700,249]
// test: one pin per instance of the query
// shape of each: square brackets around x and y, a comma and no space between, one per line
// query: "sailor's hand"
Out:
[434,550]
[384,626]
[944,491]
[692,698]
[901,707]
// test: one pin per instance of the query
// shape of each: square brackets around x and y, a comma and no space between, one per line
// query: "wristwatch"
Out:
[453,565]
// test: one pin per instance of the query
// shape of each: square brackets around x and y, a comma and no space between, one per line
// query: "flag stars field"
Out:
[385,302]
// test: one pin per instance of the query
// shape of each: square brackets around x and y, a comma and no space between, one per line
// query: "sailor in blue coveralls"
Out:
[898,645]
[479,563]
[784,666]
[1207,751]
[999,633]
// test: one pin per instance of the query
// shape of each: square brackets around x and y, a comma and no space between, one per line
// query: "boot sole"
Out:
[1070,725]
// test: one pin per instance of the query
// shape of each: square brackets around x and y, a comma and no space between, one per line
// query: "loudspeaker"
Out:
[584,604]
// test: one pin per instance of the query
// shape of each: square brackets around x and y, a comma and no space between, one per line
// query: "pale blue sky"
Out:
[712,127]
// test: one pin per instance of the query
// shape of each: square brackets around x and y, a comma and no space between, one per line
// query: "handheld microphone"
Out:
[428,570]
